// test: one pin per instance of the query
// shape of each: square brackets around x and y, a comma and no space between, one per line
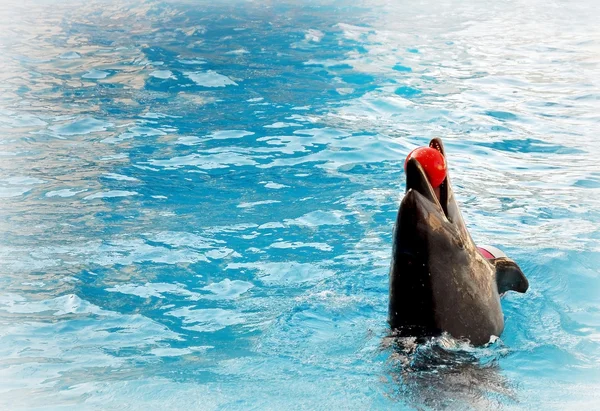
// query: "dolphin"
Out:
[439,281]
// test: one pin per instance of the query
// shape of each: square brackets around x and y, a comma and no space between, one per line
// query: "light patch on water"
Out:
[14,119]
[81,346]
[227,134]
[208,161]
[314,35]
[344,90]
[120,177]
[376,107]
[280,124]
[22,180]
[192,61]
[238,52]
[156,116]
[190,31]
[356,33]
[111,194]
[96,74]
[176,352]
[184,239]
[70,55]
[124,251]
[17,186]
[228,289]
[163,75]
[189,140]
[303,119]
[271,225]
[256,203]
[318,218]
[327,63]
[207,319]
[300,244]
[118,156]
[157,290]
[209,78]
[135,132]
[221,253]
[67,192]
[344,151]
[81,126]
[285,273]
[275,186]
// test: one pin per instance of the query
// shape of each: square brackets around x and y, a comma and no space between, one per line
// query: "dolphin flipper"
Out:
[509,276]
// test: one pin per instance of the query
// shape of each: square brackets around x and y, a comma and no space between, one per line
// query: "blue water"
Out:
[197,200]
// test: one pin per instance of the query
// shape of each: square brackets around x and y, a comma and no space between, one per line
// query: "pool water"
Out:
[197,200]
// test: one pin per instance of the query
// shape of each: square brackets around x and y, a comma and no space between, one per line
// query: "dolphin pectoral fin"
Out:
[509,276]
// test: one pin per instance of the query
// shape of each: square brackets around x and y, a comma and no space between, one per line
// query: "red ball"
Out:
[433,163]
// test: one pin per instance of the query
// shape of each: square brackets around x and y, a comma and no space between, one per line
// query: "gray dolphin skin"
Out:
[439,281]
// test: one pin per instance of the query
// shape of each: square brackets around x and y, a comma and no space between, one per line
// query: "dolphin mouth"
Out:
[417,180]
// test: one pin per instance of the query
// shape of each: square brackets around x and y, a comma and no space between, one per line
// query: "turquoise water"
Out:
[197,200]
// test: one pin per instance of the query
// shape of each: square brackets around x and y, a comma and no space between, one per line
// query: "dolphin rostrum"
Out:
[439,281]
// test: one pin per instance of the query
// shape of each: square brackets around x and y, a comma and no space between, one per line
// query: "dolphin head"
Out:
[446,206]
[439,281]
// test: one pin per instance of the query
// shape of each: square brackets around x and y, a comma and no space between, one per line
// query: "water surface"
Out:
[197,200]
